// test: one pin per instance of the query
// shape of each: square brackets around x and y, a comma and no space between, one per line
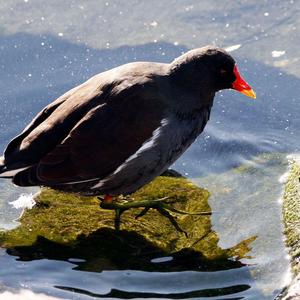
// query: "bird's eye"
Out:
[223,72]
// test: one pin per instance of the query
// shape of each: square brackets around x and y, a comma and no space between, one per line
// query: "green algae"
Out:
[65,225]
[291,214]
[291,217]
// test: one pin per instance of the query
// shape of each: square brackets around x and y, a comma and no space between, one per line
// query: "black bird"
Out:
[120,129]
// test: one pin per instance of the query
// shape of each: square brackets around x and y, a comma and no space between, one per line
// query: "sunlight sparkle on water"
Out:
[277,53]
[233,47]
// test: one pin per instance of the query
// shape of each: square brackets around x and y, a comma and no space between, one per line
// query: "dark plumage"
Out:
[121,128]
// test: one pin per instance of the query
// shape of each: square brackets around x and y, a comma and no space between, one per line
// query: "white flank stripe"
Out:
[80,181]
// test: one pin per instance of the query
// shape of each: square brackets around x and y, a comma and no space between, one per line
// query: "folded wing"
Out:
[87,136]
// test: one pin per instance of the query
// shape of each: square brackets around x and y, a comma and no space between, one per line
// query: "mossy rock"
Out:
[291,217]
[291,214]
[64,225]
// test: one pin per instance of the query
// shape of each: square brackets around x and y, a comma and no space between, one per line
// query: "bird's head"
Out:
[211,69]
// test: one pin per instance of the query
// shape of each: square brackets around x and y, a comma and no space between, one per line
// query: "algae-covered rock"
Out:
[291,213]
[291,216]
[66,225]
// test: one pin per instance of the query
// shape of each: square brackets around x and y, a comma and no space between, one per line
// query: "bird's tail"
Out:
[17,172]
[3,169]
[2,164]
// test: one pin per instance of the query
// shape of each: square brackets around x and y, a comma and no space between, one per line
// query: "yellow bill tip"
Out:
[249,93]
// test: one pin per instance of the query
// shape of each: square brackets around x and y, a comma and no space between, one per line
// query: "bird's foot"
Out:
[162,205]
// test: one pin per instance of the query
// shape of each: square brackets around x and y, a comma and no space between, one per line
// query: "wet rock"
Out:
[291,214]
[63,226]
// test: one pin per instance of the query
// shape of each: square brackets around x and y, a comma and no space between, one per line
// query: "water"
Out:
[43,55]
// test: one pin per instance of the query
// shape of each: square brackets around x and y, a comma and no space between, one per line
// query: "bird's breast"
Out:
[181,132]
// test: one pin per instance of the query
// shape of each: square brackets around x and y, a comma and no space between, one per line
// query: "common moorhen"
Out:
[120,129]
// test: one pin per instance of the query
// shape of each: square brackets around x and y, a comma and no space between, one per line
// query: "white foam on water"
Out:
[24,201]
[283,178]
[25,295]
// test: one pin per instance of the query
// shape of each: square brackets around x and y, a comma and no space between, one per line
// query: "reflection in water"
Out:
[256,210]
[188,295]
[106,250]
[107,253]
[237,131]
[63,281]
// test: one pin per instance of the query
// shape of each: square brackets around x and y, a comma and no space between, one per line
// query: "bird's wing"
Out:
[52,125]
[41,117]
[102,140]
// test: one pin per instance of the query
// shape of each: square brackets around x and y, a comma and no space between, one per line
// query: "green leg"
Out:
[161,205]
[118,213]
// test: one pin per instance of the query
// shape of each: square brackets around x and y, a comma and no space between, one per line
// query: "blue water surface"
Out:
[39,64]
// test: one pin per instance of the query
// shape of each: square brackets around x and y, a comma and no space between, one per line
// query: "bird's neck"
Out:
[187,101]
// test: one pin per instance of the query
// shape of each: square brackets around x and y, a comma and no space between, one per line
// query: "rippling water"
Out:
[239,158]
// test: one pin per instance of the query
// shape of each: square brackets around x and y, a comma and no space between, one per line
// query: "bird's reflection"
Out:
[104,248]
[118,294]
[159,250]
